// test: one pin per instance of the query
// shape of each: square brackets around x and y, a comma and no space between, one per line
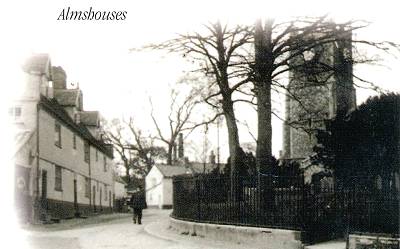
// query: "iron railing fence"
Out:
[287,202]
[267,201]
[371,206]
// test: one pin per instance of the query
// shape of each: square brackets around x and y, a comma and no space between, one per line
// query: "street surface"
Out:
[119,232]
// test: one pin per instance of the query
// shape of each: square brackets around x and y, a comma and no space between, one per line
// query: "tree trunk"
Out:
[169,155]
[234,146]
[264,62]
[263,70]
[128,177]
[264,150]
[228,110]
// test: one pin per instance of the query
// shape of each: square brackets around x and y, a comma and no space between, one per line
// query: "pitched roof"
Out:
[37,63]
[172,170]
[54,108]
[89,117]
[67,97]
[199,168]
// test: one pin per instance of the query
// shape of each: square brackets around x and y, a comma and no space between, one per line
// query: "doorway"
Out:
[94,198]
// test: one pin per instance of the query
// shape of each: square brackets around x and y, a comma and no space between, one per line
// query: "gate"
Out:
[321,215]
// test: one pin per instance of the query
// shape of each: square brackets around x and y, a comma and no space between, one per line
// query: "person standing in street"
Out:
[138,202]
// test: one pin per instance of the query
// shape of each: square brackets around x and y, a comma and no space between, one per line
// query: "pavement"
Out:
[115,231]
[118,231]
[76,222]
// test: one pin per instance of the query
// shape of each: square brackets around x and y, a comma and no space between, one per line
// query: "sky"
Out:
[95,54]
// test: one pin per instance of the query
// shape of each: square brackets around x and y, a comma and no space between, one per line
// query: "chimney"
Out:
[59,78]
[180,146]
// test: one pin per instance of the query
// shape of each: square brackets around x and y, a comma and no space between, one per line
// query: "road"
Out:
[122,233]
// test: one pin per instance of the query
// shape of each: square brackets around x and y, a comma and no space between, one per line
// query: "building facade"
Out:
[63,167]
[313,98]
[159,184]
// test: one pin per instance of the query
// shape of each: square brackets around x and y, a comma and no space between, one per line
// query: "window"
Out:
[87,152]
[87,187]
[58,178]
[74,142]
[57,135]
[105,193]
[97,155]
[105,163]
[15,112]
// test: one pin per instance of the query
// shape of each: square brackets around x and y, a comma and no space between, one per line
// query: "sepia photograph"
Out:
[209,124]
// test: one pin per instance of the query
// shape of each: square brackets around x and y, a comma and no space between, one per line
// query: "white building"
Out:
[159,181]
[159,184]
[63,168]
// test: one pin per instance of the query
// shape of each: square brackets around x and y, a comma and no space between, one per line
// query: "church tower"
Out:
[313,98]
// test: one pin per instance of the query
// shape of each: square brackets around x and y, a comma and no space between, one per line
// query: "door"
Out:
[94,198]
[109,198]
[76,206]
[43,199]
[44,184]
[101,207]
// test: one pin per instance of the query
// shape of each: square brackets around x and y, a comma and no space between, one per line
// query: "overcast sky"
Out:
[116,82]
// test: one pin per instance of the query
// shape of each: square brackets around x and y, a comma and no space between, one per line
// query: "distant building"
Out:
[120,188]
[63,167]
[159,184]
[159,180]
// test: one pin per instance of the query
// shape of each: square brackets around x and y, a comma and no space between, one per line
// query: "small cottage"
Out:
[159,184]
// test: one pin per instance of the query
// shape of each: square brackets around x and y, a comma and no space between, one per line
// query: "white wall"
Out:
[119,190]
[154,187]
[102,179]
[74,166]
[167,191]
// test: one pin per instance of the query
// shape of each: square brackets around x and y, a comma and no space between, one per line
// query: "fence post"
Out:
[196,180]
[304,213]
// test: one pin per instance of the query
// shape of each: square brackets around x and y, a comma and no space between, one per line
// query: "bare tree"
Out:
[218,51]
[137,151]
[179,120]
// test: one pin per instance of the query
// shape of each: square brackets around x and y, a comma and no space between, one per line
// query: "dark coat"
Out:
[138,200]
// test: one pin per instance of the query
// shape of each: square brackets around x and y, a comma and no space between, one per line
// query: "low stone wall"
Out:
[358,241]
[267,238]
